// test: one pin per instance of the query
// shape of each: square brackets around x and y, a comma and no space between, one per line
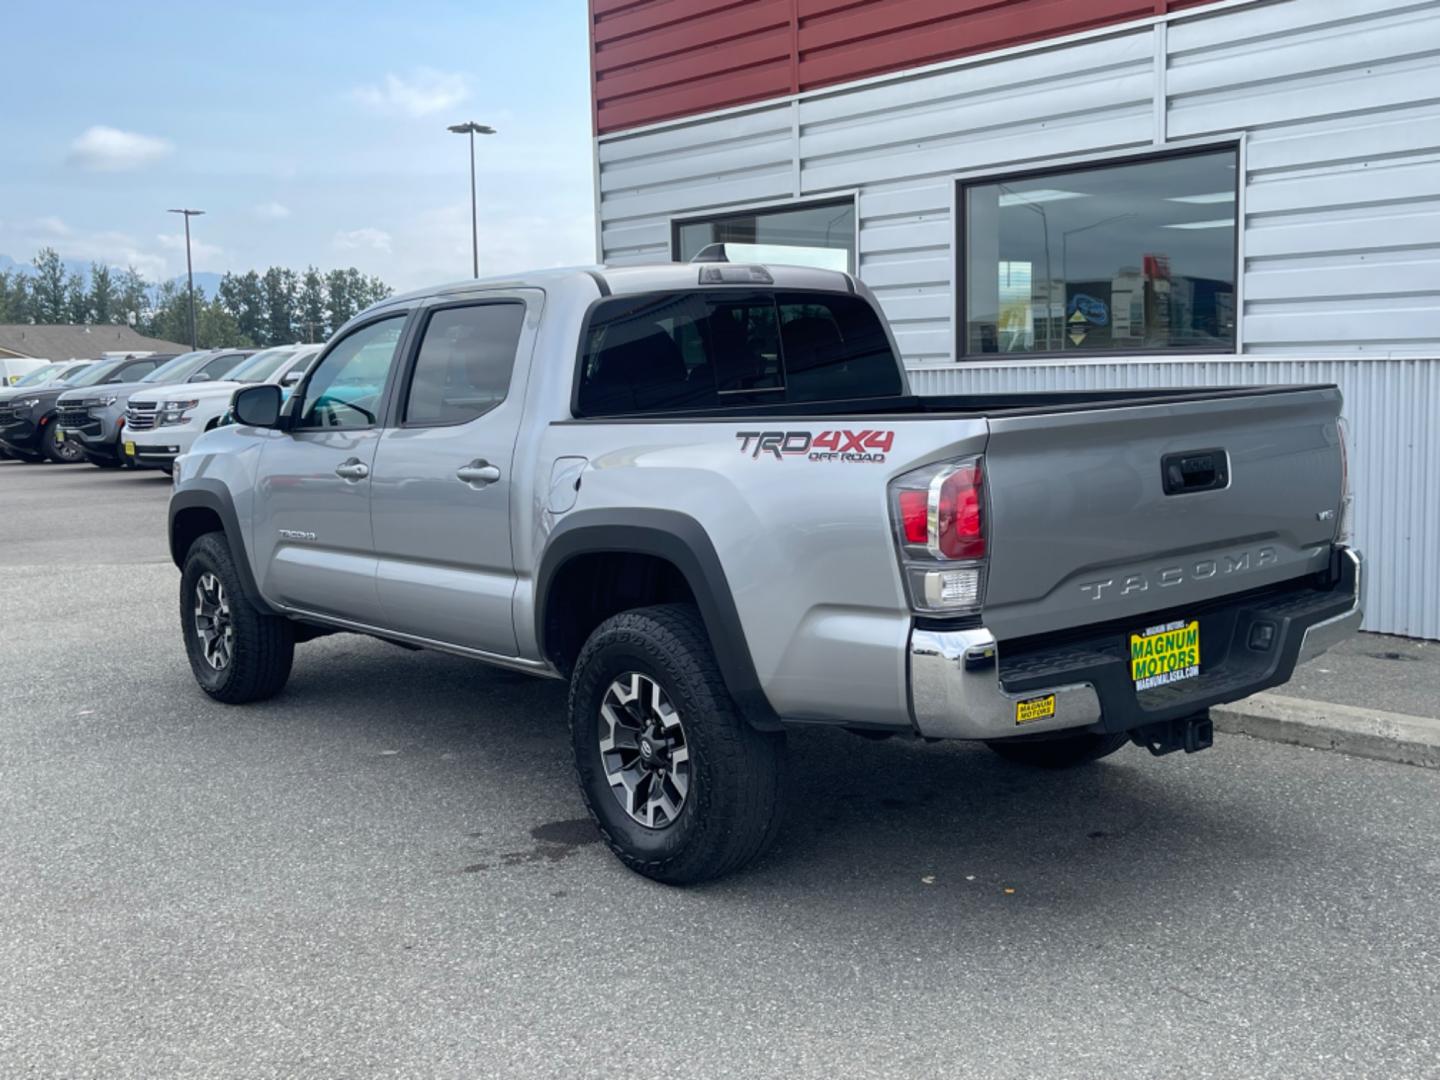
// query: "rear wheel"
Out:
[237,652]
[682,787]
[1061,752]
[60,451]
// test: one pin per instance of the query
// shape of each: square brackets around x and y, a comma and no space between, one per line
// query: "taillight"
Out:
[939,514]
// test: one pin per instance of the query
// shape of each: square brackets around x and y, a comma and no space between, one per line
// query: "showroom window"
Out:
[809,234]
[1135,256]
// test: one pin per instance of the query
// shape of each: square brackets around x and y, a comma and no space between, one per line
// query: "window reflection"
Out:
[1135,256]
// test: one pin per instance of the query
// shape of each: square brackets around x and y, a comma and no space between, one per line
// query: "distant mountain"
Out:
[204,279]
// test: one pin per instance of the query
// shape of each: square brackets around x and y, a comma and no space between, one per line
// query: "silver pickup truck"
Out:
[706,497]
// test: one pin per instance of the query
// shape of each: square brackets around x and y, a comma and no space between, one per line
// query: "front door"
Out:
[313,542]
[441,485]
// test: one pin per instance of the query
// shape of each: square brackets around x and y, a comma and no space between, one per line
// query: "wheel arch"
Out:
[204,508]
[681,542]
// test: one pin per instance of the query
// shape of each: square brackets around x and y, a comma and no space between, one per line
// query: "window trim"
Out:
[295,403]
[411,358]
[841,198]
[961,336]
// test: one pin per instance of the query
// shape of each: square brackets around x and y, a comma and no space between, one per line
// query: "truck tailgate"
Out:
[1083,530]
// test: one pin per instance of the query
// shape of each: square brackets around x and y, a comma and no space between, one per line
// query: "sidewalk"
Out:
[1373,696]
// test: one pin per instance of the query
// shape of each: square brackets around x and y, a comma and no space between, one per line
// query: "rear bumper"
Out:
[962,688]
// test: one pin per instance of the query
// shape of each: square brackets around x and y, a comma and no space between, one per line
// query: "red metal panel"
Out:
[890,35]
[661,59]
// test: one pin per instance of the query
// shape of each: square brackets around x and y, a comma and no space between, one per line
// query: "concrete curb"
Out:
[1369,733]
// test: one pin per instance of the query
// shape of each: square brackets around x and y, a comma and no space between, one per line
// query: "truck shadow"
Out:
[871,827]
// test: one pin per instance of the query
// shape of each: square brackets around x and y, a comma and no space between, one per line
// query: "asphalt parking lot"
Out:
[386,872]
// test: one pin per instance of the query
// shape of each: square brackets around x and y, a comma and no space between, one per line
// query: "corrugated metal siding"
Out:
[1393,408]
[660,59]
[1341,103]
[1338,102]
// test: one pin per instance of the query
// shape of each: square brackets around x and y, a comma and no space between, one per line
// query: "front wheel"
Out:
[682,787]
[1061,752]
[60,451]
[237,652]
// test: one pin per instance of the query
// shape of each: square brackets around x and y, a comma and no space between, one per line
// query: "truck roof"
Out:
[653,277]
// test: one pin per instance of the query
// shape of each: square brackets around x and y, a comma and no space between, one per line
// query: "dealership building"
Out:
[1074,193]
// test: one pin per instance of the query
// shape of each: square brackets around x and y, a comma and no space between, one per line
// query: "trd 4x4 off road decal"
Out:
[864,445]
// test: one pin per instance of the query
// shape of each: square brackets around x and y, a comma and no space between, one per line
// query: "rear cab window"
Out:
[707,349]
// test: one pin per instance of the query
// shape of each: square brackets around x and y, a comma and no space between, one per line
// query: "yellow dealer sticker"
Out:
[1165,654]
[1039,708]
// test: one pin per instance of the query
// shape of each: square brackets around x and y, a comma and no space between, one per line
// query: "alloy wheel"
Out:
[644,751]
[214,628]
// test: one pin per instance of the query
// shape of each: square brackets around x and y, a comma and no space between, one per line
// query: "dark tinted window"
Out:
[134,370]
[701,350]
[1135,256]
[463,368]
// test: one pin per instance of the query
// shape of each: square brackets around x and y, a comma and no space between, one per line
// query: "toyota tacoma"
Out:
[705,496]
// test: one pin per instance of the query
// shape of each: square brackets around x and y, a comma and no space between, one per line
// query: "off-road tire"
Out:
[732,809]
[1061,752]
[52,450]
[263,645]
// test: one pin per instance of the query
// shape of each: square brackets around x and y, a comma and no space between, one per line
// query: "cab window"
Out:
[463,368]
[347,385]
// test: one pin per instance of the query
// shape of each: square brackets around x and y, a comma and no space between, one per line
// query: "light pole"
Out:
[189,268]
[471,128]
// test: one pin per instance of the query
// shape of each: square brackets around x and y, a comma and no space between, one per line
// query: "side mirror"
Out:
[257,406]
[199,376]
[290,378]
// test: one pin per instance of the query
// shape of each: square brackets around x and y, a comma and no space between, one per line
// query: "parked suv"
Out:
[27,420]
[706,498]
[161,423]
[94,419]
[47,375]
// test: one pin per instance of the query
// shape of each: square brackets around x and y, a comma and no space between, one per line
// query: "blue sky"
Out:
[309,132]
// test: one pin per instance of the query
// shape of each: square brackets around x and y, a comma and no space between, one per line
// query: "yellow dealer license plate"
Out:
[1165,654]
[129,449]
[59,434]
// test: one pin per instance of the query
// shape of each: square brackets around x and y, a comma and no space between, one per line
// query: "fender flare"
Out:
[682,541]
[212,495]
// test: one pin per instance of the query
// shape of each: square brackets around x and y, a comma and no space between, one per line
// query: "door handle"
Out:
[353,469]
[478,473]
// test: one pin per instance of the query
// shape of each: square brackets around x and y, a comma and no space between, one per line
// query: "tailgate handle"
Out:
[1194,470]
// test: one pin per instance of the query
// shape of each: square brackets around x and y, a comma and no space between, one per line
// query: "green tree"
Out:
[311,304]
[77,300]
[338,298]
[167,313]
[216,328]
[49,296]
[134,297]
[14,297]
[249,308]
[103,298]
[279,285]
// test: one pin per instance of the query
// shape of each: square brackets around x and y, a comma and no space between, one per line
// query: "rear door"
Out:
[441,488]
[1108,512]
[313,542]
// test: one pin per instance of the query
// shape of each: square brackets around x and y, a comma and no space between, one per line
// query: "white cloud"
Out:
[434,246]
[118,249]
[198,248]
[362,239]
[272,211]
[423,92]
[107,149]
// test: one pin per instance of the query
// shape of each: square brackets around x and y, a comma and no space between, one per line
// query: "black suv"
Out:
[27,421]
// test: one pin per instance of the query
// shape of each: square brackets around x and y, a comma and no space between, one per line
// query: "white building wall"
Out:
[1337,106]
